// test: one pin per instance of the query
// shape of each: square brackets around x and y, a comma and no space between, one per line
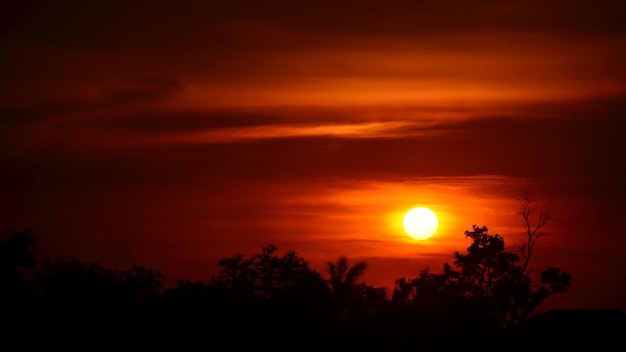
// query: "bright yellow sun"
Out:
[420,223]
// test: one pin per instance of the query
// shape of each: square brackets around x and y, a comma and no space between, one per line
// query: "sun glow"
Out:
[420,223]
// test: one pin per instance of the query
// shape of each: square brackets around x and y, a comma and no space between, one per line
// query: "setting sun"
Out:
[420,223]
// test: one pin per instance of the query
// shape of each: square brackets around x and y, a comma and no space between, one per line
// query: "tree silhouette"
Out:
[265,275]
[18,250]
[343,276]
[273,295]
[17,259]
[533,219]
[350,295]
[489,278]
[69,285]
[140,284]
[494,278]
[433,290]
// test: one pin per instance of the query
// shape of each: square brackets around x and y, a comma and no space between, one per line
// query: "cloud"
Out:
[147,89]
[286,53]
[100,98]
[362,130]
[583,138]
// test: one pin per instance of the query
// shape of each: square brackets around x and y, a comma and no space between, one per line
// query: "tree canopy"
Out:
[487,277]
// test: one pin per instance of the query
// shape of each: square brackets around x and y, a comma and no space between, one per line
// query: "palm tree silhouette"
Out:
[343,283]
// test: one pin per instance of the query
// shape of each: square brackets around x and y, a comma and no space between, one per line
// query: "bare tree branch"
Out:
[533,219]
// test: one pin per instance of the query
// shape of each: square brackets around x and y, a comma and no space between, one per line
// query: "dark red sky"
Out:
[172,134]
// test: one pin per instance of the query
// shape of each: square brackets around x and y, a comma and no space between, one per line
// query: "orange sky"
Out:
[172,135]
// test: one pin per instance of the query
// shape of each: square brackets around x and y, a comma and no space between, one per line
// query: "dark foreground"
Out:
[598,330]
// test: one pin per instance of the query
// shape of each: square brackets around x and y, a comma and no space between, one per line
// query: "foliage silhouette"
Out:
[267,275]
[17,259]
[278,299]
[141,285]
[18,250]
[488,278]
[281,291]
[351,297]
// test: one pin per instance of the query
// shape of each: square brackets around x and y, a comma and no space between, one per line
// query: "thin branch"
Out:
[532,231]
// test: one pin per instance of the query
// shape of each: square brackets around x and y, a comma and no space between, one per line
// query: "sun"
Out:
[420,223]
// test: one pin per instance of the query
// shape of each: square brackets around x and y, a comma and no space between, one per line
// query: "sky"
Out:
[174,134]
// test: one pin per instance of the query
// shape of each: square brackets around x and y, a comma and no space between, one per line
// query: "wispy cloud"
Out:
[102,98]
[355,130]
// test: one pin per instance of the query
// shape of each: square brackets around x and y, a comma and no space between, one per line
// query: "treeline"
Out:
[271,299]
